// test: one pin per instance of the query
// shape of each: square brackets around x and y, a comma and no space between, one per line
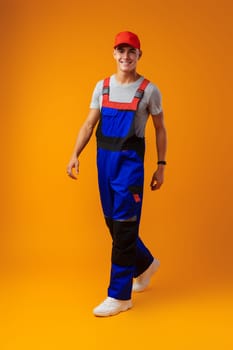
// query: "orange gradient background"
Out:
[55,249]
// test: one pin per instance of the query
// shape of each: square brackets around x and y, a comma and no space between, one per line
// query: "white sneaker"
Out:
[143,280]
[111,306]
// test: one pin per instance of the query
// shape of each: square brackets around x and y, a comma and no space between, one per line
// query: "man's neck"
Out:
[126,78]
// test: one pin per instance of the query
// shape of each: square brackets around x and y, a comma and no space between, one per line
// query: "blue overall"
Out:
[120,158]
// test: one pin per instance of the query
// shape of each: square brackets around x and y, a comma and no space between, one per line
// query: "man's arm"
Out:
[161,146]
[83,138]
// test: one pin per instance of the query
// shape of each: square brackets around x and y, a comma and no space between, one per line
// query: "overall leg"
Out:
[127,201]
[123,259]
[121,198]
[120,284]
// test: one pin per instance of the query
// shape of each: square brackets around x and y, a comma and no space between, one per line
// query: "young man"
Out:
[121,105]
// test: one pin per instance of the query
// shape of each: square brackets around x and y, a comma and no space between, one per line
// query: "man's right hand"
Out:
[73,164]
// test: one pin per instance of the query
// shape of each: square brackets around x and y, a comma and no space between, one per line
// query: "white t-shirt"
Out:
[149,104]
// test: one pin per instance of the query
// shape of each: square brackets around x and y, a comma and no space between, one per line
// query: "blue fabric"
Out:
[118,171]
[121,282]
[116,123]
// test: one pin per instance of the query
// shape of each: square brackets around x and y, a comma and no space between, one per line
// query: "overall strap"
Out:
[139,93]
[123,105]
[106,84]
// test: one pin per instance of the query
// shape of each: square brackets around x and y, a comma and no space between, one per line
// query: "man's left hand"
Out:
[157,178]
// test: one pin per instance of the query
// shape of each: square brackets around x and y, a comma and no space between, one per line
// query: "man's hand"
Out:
[157,178]
[73,164]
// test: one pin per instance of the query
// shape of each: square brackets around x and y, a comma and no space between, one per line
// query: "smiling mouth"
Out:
[124,62]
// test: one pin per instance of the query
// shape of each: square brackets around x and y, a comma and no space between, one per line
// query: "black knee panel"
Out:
[125,235]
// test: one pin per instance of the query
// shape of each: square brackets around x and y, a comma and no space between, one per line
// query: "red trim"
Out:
[144,84]
[123,105]
[136,197]
[106,82]
[119,105]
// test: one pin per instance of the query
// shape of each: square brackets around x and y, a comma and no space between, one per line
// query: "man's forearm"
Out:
[161,143]
[83,138]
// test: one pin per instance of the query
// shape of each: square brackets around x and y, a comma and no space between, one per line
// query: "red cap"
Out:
[128,38]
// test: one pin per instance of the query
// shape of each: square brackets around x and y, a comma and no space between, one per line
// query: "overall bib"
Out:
[120,162]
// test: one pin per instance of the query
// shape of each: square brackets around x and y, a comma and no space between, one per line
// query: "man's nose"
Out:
[125,54]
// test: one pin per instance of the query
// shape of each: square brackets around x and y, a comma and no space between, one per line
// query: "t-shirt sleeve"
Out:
[96,96]
[155,101]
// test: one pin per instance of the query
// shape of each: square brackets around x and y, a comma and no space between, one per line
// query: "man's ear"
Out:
[140,54]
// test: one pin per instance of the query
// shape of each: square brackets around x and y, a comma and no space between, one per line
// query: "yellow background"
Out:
[55,249]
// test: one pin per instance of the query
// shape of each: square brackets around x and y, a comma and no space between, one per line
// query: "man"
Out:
[121,105]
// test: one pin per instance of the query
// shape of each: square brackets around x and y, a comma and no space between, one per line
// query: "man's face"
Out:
[126,57]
